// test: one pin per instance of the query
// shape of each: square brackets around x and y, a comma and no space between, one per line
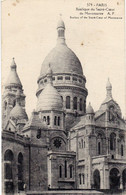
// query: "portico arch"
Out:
[96,178]
[124,179]
[114,178]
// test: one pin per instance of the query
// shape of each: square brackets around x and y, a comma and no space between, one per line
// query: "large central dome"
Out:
[62,60]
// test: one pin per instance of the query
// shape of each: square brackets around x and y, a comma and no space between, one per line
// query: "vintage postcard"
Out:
[63,97]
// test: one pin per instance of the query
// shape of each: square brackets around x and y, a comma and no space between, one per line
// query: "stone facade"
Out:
[62,145]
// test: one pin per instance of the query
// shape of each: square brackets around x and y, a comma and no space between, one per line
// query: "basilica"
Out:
[65,144]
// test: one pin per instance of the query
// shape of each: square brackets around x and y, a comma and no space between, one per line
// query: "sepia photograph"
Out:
[63,97]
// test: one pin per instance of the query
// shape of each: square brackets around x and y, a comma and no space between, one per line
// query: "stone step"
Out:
[66,192]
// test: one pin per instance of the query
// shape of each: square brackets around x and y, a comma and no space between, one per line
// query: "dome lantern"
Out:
[109,89]
[61,32]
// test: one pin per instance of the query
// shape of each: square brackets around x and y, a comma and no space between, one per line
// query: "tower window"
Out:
[45,80]
[121,150]
[74,79]
[14,103]
[75,103]
[81,143]
[67,78]
[71,171]
[55,120]
[44,118]
[83,178]
[53,78]
[80,81]
[60,171]
[80,178]
[99,148]
[59,78]
[38,134]
[80,104]
[84,106]
[65,168]
[58,121]
[48,120]
[5,105]
[112,141]
[68,102]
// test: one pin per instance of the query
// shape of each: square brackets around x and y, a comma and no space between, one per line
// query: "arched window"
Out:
[80,104]
[71,171]
[99,148]
[14,103]
[38,133]
[68,102]
[96,177]
[55,120]
[112,141]
[84,144]
[114,178]
[81,143]
[5,105]
[48,120]
[121,149]
[111,116]
[20,171]
[60,171]
[62,98]
[44,118]
[65,168]
[58,120]
[80,179]
[75,103]
[83,178]
[84,106]
[8,166]
[8,172]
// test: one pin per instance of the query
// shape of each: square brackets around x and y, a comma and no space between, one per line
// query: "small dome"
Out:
[60,24]
[49,99]
[18,112]
[62,60]
[13,78]
[89,109]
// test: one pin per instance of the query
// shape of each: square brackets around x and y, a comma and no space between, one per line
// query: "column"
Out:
[102,178]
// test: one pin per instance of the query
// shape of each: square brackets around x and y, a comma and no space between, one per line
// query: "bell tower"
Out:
[11,88]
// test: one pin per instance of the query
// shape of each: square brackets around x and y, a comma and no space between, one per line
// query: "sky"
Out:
[29,33]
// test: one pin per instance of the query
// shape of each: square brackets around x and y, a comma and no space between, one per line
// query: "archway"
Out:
[114,178]
[124,179]
[96,177]
[8,172]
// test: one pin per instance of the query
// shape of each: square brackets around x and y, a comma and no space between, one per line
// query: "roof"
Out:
[81,122]
[60,24]
[13,78]
[35,121]
[62,60]
[18,112]
[89,109]
[49,99]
